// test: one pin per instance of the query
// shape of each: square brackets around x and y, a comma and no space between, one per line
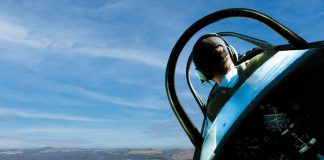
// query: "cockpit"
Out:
[276,111]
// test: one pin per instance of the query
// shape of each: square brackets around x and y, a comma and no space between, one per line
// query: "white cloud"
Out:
[59,130]
[19,142]
[120,5]
[146,100]
[149,102]
[18,34]
[108,7]
[67,131]
[21,35]
[150,59]
[6,112]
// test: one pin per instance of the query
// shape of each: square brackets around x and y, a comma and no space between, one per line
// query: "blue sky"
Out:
[91,73]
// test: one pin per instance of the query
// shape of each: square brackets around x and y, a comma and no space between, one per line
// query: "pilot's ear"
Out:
[233,54]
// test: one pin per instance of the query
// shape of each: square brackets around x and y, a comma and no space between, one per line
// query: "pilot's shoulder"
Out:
[252,64]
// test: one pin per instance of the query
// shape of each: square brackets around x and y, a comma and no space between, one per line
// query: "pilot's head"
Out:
[211,57]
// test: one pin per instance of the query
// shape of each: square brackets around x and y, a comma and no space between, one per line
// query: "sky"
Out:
[90,74]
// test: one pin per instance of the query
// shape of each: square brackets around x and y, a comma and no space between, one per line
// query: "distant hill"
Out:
[49,153]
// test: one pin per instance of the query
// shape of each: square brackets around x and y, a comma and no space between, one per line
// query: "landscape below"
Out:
[49,153]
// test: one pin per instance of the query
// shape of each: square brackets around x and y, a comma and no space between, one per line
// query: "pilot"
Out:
[213,58]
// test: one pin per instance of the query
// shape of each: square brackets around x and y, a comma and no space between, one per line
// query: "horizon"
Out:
[147,148]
